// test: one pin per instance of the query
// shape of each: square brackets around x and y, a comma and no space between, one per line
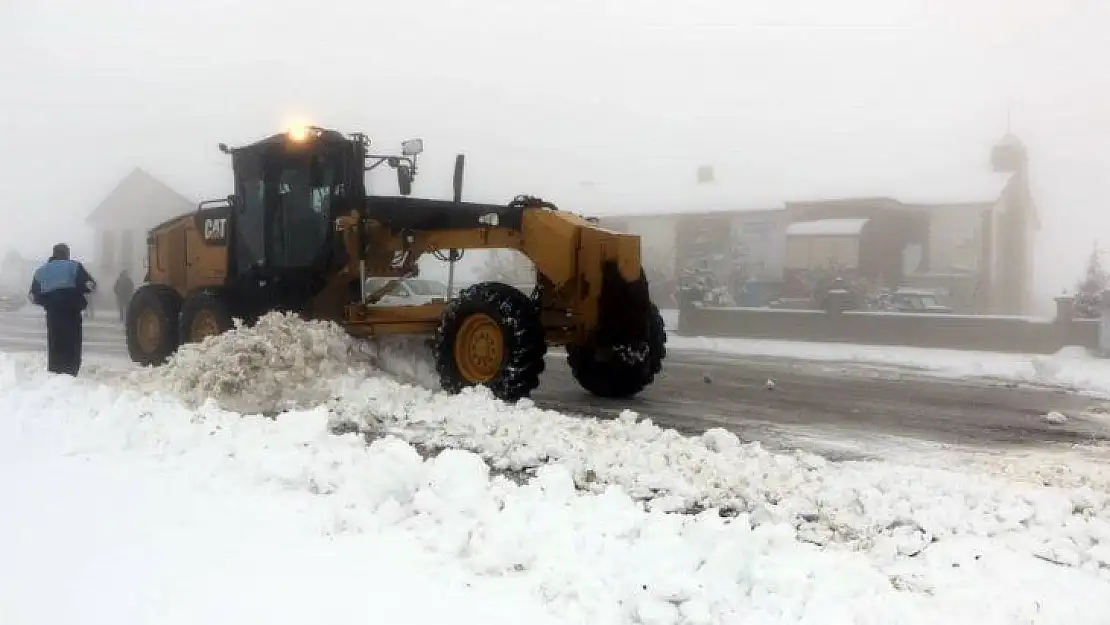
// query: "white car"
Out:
[407,292]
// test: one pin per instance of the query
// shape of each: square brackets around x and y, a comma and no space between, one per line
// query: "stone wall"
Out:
[946,331]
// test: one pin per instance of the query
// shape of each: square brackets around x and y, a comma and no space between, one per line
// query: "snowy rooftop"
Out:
[139,199]
[913,190]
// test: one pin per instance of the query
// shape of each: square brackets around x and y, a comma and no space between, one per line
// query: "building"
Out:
[978,253]
[1011,229]
[952,259]
[877,239]
[733,245]
[834,244]
[985,251]
[121,221]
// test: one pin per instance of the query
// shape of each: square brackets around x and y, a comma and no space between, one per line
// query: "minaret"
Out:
[1012,229]
[1009,155]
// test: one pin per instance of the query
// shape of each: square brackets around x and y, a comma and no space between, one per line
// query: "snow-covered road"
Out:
[837,409]
[25,330]
[137,505]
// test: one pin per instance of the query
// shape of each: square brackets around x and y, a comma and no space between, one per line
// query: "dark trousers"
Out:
[63,340]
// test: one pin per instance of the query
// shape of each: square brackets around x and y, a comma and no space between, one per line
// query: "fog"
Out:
[606,106]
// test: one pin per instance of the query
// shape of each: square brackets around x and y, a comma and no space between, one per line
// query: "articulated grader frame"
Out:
[301,234]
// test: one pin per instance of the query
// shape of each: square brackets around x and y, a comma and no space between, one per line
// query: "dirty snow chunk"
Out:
[282,361]
[720,440]
[1055,418]
[456,479]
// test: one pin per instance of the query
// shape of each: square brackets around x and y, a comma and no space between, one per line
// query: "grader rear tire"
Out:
[606,374]
[202,315]
[151,325]
[491,336]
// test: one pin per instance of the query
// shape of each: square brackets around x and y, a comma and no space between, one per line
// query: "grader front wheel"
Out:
[491,336]
[620,371]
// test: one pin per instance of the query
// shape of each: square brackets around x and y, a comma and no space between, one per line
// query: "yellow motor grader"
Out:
[300,234]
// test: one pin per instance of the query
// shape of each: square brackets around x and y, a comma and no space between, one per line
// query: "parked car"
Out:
[407,292]
[917,301]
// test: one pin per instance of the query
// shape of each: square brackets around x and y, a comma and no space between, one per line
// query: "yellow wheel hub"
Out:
[149,331]
[204,325]
[479,348]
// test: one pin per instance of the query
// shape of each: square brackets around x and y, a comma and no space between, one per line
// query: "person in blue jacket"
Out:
[60,286]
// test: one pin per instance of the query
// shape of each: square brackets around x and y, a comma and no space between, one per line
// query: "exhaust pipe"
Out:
[457,182]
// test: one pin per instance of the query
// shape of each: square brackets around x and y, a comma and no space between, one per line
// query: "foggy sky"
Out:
[786,99]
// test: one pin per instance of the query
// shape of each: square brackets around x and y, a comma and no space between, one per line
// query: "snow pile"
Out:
[285,362]
[280,362]
[891,511]
[1054,417]
[405,358]
[1073,467]
[594,557]
[121,506]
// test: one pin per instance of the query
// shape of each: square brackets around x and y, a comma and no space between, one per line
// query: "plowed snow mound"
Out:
[407,359]
[281,362]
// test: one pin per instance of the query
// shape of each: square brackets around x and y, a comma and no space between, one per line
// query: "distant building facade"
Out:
[735,246]
[120,223]
[979,253]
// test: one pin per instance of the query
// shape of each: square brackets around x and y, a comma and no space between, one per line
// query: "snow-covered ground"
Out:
[137,498]
[1071,368]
